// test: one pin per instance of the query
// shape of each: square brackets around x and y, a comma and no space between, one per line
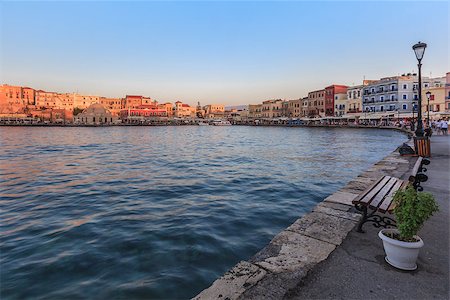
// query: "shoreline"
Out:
[299,248]
[405,130]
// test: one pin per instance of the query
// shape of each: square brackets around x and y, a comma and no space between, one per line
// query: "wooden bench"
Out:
[379,196]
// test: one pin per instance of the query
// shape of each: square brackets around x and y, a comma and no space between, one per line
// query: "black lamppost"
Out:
[428,107]
[419,50]
[412,121]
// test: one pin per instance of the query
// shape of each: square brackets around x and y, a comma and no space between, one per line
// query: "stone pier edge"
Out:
[292,253]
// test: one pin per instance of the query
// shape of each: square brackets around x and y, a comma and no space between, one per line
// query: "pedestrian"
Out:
[444,127]
[438,127]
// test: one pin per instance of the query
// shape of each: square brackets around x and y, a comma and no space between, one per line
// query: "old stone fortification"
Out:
[281,265]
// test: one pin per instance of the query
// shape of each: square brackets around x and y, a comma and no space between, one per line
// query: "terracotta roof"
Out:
[185,105]
[134,96]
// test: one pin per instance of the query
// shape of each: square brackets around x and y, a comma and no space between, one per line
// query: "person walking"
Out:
[444,127]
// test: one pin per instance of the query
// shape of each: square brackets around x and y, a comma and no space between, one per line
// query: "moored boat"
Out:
[221,123]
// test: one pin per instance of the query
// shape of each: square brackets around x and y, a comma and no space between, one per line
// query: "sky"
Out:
[229,52]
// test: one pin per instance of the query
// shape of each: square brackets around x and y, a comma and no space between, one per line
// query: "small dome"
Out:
[96,109]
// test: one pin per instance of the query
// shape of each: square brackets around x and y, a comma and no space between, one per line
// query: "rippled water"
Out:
[159,212]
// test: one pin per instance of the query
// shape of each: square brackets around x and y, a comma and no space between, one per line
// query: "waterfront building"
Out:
[52,115]
[183,110]
[354,99]
[95,114]
[114,105]
[330,92]
[28,96]
[132,101]
[272,109]
[237,113]
[11,99]
[284,108]
[447,92]
[52,100]
[214,111]
[84,101]
[305,107]
[168,107]
[316,104]
[436,107]
[295,108]
[45,99]
[148,101]
[390,94]
[340,104]
[254,111]
[142,113]
[64,101]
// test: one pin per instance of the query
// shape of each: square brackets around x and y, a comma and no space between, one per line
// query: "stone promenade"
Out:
[321,256]
[357,270]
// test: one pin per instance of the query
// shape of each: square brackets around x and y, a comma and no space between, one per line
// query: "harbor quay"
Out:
[224,150]
[322,256]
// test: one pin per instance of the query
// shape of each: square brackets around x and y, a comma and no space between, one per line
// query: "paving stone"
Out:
[336,206]
[234,282]
[385,167]
[356,186]
[342,197]
[274,285]
[324,227]
[338,213]
[290,251]
[373,174]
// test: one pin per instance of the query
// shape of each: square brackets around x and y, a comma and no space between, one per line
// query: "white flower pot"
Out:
[402,255]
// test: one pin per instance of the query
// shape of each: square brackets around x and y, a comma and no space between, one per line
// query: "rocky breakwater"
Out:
[286,260]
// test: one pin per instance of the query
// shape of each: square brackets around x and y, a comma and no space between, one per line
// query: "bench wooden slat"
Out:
[416,169]
[392,205]
[368,198]
[382,194]
[362,194]
[384,206]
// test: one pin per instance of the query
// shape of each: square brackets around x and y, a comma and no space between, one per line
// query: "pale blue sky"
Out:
[216,52]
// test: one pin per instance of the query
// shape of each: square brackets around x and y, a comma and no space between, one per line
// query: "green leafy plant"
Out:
[411,210]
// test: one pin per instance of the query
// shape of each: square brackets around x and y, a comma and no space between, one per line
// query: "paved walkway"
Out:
[357,270]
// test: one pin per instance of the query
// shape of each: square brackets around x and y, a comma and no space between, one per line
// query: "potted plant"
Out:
[411,210]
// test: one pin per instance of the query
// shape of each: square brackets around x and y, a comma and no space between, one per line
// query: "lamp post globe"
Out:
[419,50]
[428,107]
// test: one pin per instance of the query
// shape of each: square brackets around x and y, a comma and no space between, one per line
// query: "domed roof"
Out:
[96,109]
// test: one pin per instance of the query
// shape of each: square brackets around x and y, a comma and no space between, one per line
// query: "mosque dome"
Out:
[96,109]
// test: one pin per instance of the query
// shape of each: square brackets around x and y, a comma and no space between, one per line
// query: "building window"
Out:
[381,108]
[415,97]
[405,97]
[405,106]
[382,98]
[405,86]
[392,97]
